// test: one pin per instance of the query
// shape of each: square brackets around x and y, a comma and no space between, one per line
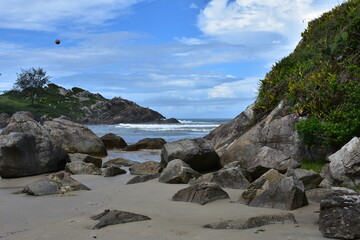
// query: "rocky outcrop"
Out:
[111,217]
[177,171]
[344,166]
[74,137]
[309,178]
[201,193]
[23,154]
[228,177]
[198,153]
[146,143]
[254,222]
[288,194]
[146,168]
[60,182]
[79,157]
[225,134]
[119,162]
[112,171]
[82,168]
[111,141]
[276,131]
[339,216]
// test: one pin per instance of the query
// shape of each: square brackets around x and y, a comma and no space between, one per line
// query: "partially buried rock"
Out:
[112,171]
[60,182]
[119,162]
[288,194]
[177,171]
[254,222]
[111,141]
[146,143]
[80,157]
[198,153]
[82,168]
[339,216]
[112,217]
[201,193]
[143,178]
[229,177]
[146,168]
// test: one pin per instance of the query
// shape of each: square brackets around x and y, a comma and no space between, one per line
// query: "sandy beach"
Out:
[67,217]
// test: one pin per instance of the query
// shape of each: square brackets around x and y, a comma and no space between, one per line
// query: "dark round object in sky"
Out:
[57,41]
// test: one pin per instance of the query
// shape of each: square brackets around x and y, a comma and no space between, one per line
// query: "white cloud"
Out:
[191,41]
[51,15]
[245,88]
[193,6]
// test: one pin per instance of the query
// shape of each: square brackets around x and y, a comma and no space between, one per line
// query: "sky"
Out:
[183,58]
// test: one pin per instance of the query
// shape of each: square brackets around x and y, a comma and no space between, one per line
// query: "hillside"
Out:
[79,105]
[320,80]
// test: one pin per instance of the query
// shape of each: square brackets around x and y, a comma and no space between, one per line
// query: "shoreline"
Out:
[68,216]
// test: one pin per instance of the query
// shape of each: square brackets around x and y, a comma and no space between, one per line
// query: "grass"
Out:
[315,166]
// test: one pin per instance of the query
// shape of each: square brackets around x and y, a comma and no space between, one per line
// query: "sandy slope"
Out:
[68,217]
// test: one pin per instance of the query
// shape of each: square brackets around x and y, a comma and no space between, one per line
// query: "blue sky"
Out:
[183,58]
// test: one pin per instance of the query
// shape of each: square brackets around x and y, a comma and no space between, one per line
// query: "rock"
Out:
[254,222]
[276,131]
[177,171]
[201,193]
[142,178]
[318,194]
[146,168]
[41,187]
[4,119]
[261,184]
[345,164]
[226,178]
[309,178]
[112,171]
[24,154]
[169,120]
[271,159]
[146,143]
[74,137]
[53,184]
[288,194]
[222,136]
[198,153]
[339,216]
[82,168]
[116,217]
[85,158]
[111,141]
[119,162]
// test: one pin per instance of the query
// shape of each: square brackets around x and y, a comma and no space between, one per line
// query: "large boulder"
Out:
[226,133]
[112,171]
[319,194]
[201,193]
[80,157]
[4,119]
[344,166]
[271,159]
[177,171]
[78,168]
[119,162]
[288,194]
[276,131]
[309,178]
[74,137]
[261,184]
[227,177]
[146,143]
[111,141]
[23,154]
[146,168]
[198,153]
[339,216]
[60,182]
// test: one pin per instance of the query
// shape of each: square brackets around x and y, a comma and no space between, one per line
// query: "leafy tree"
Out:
[31,81]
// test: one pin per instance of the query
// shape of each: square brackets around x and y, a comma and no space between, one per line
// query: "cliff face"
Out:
[308,104]
[79,105]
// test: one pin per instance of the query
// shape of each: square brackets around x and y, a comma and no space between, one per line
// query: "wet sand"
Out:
[67,217]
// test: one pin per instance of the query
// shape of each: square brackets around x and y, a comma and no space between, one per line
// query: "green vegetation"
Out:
[315,166]
[320,80]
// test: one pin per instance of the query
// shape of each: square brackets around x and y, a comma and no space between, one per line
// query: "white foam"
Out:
[169,127]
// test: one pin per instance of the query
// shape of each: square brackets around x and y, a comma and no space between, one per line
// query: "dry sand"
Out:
[68,217]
